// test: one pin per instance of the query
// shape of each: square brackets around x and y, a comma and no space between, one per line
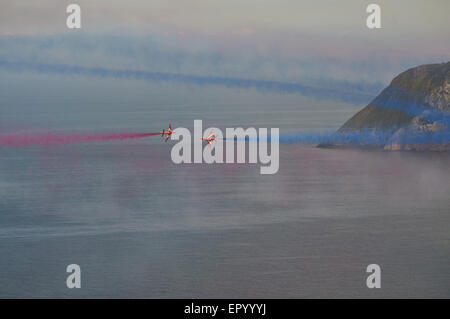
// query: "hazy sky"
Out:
[264,39]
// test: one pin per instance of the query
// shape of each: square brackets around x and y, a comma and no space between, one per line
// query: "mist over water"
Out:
[134,220]
[141,226]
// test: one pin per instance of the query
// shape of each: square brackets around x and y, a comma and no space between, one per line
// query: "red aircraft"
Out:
[210,138]
[168,132]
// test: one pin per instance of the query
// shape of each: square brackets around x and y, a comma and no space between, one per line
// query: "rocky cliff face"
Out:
[415,107]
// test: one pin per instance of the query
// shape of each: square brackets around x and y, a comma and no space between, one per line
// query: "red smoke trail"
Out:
[53,138]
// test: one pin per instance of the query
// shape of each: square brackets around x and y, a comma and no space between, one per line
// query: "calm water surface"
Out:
[141,226]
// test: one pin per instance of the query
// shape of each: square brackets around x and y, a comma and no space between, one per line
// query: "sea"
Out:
[140,226]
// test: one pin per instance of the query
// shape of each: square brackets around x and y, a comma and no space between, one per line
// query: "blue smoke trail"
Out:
[359,137]
[350,94]
[366,137]
[391,98]
[387,100]
[363,137]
